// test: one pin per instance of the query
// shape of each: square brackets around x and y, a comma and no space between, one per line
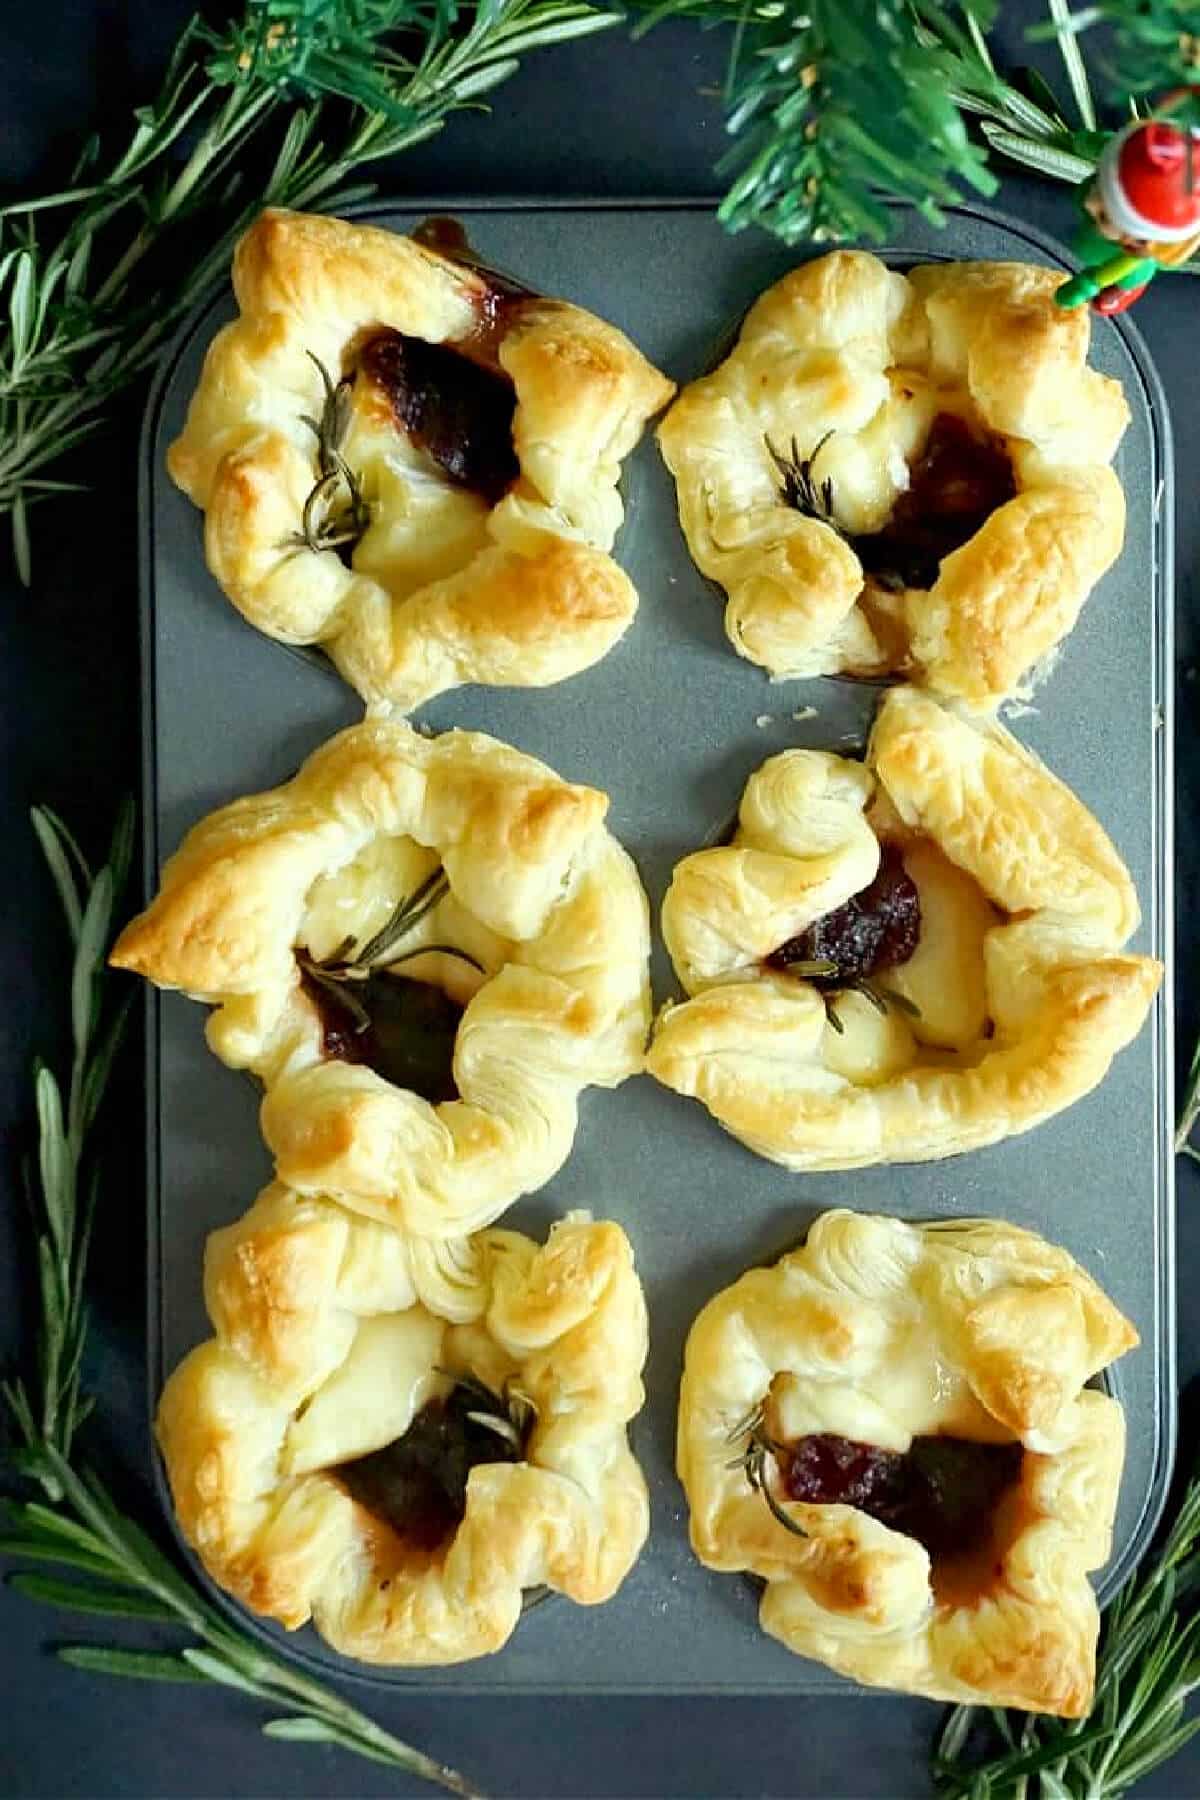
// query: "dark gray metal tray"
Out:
[671,724]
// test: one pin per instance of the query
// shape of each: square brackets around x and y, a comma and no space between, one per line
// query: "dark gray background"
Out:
[598,118]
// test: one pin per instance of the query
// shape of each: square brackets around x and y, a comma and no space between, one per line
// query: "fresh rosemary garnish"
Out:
[509,1414]
[349,964]
[799,489]
[881,998]
[335,513]
[405,1029]
[111,1566]
[823,968]
[758,1449]
[1148,1665]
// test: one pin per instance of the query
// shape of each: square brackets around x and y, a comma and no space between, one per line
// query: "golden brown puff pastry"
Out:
[903,958]
[515,945]
[485,555]
[394,1439]
[912,1400]
[903,472]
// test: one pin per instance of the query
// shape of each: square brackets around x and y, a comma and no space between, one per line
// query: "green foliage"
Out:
[1150,45]
[831,105]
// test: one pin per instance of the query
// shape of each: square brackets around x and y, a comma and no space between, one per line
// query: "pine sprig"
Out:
[104,1563]
[1147,1667]
[1150,45]
[831,105]
[87,296]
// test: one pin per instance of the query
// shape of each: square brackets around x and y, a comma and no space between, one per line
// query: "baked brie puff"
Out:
[902,958]
[396,1440]
[424,948]
[903,473]
[413,462]
[891,1428]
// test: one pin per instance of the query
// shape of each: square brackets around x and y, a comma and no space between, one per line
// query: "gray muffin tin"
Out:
[670,724]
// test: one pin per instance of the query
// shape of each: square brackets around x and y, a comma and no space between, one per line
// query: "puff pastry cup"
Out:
[902,958]
[324,1449]
[484,426]
[513,933]
[960,1352]
[903,473]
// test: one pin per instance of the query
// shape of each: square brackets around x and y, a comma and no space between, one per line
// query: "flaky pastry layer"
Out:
[879,1331]
[540,895]
[1056,998]
[332,1332]
[443,588]
[847,363]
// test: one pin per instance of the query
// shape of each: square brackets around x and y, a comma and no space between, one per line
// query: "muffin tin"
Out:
[670,724]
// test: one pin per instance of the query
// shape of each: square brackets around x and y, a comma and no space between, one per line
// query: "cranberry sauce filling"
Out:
[408,1034]
[458,412]
[956,483]
[875,930]
[418,1484]
[943,1491]
[501,296]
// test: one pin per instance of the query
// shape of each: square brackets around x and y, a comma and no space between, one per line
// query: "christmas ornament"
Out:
[1141,211]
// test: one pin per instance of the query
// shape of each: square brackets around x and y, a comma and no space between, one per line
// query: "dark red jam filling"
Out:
[418,1484]
[500,297]
[956,483]
[408,1036]
[875,930]
[944,1491]
[459,412]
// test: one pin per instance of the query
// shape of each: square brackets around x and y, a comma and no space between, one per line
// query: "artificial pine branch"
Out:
[832,105]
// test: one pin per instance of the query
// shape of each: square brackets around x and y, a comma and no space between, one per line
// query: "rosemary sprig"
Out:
[339,974]
[335,513]
[1148,1665]
[799,489]
[94,278]
[62,1191]
[1189,1110]
[509,1414]
[113,1568]
[881,998]
[407,916]
[757,1451]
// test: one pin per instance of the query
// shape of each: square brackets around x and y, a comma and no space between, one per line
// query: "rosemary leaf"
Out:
[57,860]
[1189,1107]
[73,1595]
[89,958]
[38,1551]
[217,1669]
[142,1665]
